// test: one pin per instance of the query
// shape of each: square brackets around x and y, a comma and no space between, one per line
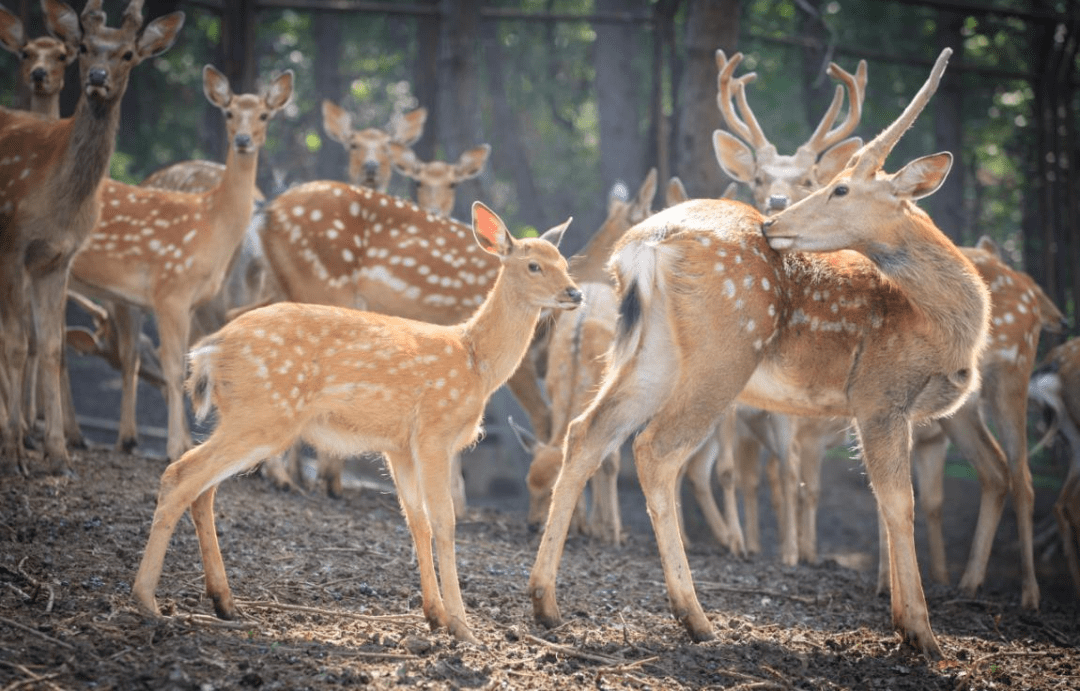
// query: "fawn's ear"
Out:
[554,235]
[216,87]
[336,122]
[491,233]
[408,127]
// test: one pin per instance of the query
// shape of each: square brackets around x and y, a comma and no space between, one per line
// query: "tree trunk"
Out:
[946,206]
[618,86]
[426,81]
[459,93]
[710,24]
[332,161]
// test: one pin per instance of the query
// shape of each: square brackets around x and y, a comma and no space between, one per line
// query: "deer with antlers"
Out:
[169,251]
[1056,385]
[51,173]
[1019,310]
[816,311]
[353,381]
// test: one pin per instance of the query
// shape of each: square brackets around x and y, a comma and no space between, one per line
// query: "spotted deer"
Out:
[1019,310]
[369,149]
[719,303]
[51,173]
[352,381]
[436,180]
[169,251]
[576,355]
[42,63]
[1056,385]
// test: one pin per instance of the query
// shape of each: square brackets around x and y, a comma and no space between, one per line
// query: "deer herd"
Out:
[712,332]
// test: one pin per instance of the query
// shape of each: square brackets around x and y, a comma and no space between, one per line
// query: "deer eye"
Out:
[24,55]
[264,116]
[534,267]
[83,48]
[840,191]
[129,55]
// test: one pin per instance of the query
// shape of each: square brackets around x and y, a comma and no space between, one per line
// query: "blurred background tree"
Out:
[576,96]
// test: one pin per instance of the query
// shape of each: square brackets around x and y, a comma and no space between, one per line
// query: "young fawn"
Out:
[349,382]
[720,304]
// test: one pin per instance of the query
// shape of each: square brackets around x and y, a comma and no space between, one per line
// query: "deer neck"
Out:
[232,199]
[587,266]
[940,282]
[498,334]
[45,106]
[91,142]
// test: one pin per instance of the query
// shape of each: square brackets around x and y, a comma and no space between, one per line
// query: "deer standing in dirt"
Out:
[720,303]
[1056,385]
[51,172]
[353,381]
[1019,310]
[169,251]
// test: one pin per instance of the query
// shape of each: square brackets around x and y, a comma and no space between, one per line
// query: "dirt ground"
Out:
[330,594]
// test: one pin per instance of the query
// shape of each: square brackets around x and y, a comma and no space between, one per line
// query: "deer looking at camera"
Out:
[169,251]
[718,305]
[370,162]
[352,381]
[50,180]
[42,62]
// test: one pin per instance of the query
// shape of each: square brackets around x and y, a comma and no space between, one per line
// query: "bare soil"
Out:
[330,595]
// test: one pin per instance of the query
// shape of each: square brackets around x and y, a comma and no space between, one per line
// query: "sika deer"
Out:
[51,173]
[169,251]
[352,381]
[436,180]
[42,62]
[369,149]
[720,304]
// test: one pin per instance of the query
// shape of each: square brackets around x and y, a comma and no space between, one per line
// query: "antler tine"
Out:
[749,131]
[871,156]
[856,85]
[133,15]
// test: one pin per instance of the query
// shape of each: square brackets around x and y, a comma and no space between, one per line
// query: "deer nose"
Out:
[371,167]
[38,74]
[777,202]
[97,76]
[765,225]
[242,141]
[575,295]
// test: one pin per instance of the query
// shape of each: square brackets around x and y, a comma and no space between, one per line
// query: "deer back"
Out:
[337,244]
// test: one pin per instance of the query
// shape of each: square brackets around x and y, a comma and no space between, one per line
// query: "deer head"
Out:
[42,62]
[369,155]
[779,180]
[436,180]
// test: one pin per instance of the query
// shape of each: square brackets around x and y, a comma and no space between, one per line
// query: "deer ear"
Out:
[409,126]
[157,36]
[676,192]
[471,163]
[12,36]
[554,235]
[923,176]
[216,87]
[835,159]
[62,22]
[336,122]
[491,233]
[280,91]
[987,244]
[403,159]
[736,158]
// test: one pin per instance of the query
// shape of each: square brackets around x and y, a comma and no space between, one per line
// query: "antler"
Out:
[870,157]
[749,131]
[822,138]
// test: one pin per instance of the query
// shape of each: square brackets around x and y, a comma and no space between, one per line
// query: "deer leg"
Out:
[201,469]
[886,443]
[128,323]
[698,470]
[524,383]
[967,430]
[928,459]
[810,452]
[217,584]
[330,467]
[72,433]
[659,452]
[790,480]
[1067,514]
[604,520]
[1006,398]
[613,415]
[403,468]
[457,487]
[50,297]
[747,458]
[435,482]
[174,324]
[14,296]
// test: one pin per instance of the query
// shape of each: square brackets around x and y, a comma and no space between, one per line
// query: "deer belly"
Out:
[801,391]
